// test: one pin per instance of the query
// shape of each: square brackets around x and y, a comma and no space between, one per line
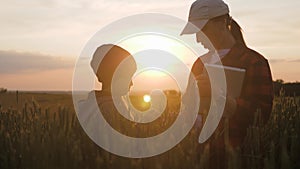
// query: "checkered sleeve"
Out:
[257,91]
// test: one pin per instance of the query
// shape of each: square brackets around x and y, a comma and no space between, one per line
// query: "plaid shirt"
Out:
[257,89]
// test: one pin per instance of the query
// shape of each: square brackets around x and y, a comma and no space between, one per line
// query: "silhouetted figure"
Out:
[115,72]
[221,35]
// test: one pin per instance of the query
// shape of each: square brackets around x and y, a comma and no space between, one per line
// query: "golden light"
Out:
[158,51]
[139,43]
[147,98]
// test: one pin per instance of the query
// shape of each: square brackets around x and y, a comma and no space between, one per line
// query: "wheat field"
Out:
[41,130]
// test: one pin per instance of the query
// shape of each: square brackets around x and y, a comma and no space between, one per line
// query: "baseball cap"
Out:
[201,12]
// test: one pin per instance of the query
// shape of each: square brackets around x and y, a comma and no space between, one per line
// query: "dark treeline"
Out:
[289,89]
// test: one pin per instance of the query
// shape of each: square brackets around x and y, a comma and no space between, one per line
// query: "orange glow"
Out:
[153,79]
[59,79]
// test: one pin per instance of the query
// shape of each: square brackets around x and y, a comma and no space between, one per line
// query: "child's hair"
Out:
[111,56]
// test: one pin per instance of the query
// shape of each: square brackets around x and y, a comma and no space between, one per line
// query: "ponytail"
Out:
[233,27]
[236,31]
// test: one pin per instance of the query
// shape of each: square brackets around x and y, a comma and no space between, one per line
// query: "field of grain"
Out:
[41,130]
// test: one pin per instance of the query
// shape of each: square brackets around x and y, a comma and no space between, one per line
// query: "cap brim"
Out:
[193,27]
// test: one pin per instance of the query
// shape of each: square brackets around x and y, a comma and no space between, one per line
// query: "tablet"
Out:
[234,78]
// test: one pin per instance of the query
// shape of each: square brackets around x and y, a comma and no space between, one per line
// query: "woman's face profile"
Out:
[204,41]
[212,34]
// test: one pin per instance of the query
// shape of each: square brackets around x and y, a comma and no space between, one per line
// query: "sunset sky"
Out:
[41,40]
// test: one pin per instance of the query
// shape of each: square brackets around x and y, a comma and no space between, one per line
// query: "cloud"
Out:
[284,61]
[295,61]
[276,60]
[12,62]
[62,27]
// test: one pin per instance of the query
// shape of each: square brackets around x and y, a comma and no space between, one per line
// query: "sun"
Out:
[147,98]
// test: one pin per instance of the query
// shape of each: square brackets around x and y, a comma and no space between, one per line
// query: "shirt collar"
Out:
[235,52]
